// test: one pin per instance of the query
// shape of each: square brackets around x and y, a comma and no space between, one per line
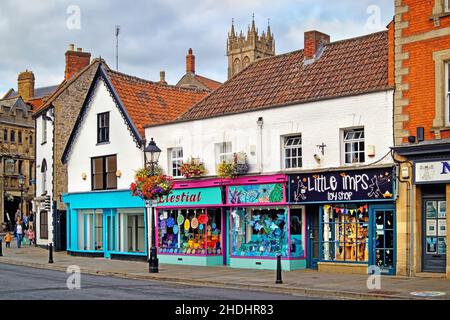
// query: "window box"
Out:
[193,168]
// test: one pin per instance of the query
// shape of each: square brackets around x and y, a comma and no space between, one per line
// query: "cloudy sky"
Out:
[156,34]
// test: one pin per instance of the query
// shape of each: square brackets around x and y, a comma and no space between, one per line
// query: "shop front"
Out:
[350,218]
[263,226]
[108,224]
[191,225]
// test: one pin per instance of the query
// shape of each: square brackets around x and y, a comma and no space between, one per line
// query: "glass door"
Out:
[110,233]
[383,245]
[313,237]
[434,249]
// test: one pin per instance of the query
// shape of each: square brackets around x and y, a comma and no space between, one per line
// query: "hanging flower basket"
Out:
[226,170]
[193,168]
[148,187]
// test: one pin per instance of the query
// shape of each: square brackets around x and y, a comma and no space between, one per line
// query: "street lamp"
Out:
[151,154]
[21,188]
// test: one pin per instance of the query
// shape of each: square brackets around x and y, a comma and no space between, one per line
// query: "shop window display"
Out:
[190,232]
[297,233]
[345,233]
[90,230]
[259,232]
[131,230]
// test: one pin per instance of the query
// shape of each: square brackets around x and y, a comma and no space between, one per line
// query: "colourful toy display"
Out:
[191,235]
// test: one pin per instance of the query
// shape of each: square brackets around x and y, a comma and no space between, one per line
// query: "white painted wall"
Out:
[318,122]
[44,151]
[129,157]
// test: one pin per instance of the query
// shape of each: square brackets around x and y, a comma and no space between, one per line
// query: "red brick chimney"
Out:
[76,61]
[313,41]
[190,62]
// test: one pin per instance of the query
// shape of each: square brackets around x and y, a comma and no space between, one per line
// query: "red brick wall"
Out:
[75,62]
[421,78]
[391,53]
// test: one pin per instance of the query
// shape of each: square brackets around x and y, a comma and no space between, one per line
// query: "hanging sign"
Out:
[432,171]
[191,197]
[256,193]
[358,185]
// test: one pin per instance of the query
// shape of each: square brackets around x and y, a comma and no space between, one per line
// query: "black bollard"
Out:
[1,248]
[50,253]
[279,280]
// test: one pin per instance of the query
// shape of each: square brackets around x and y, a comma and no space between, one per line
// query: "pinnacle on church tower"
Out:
[244,50]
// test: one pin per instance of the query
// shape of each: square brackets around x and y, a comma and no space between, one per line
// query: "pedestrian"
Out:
[19,232]
[31,234]
[25,222]
[8,238]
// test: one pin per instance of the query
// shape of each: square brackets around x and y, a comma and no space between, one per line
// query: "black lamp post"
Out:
[152,153]
[21,188]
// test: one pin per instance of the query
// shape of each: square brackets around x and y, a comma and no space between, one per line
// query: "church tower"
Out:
[244,50]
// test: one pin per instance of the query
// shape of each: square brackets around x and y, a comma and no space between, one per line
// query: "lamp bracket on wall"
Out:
[322,148]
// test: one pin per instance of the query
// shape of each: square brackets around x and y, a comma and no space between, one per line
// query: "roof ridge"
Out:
[168,86]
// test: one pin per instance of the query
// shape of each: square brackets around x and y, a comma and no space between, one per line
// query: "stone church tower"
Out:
[242,51]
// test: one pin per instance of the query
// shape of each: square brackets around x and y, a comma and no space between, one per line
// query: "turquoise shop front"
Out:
[110,224]
[263,226]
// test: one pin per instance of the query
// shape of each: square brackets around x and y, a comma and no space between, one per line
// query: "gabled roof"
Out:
[140,102]
[39,98]
[150,103]
[209,83]
[346,68]
[46,103]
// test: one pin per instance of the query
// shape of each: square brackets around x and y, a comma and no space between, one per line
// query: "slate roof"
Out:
[209,83]
[348,67]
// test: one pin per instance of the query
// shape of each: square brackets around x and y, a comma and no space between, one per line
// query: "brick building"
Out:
[422,134]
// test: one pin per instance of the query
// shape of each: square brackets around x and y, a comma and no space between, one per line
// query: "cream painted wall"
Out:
[318,122]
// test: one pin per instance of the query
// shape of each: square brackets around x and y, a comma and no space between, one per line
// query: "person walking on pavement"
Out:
[8,238]
[19,232]
[31,234]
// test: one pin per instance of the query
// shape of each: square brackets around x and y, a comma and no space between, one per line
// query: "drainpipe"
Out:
[260,124]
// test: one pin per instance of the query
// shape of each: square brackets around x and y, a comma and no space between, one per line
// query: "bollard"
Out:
[1,248]
[279,280]
[50,253]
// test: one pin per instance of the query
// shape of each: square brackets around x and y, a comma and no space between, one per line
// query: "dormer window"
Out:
[103,127]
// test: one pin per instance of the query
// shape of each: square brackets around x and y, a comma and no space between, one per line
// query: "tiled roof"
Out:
[39,98]
[151,103]
[209,83]
[345,68]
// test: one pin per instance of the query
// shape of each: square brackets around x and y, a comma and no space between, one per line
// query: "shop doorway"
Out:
[434,239]
[226,237]
[109,233]
[313,237]
[383,238]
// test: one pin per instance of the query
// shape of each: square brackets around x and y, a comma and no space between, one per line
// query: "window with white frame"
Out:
[224,152]
[293,152]
[354,149]
[175,161]
[447,6]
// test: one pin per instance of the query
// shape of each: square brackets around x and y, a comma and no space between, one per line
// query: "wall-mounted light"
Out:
[84,176]
[318,158]
[118,173]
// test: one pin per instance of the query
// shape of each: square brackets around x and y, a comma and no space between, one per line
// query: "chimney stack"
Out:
[76,61]
[162,77]
[314,40]
[25,85]
[190,62]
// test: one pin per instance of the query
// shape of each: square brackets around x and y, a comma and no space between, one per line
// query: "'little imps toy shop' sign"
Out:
[373,184]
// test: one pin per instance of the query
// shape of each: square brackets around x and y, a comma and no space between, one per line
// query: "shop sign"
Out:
[359,185]
[192,197]
[10,167]
[257,193]
[432,172]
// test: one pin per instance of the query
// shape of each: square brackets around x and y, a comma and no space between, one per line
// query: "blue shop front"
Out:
[110,224]
[350,218]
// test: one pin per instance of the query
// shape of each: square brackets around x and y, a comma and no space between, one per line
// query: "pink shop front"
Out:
[242,223]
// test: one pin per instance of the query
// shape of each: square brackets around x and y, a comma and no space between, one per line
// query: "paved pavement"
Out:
[308,283]
[22,283]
